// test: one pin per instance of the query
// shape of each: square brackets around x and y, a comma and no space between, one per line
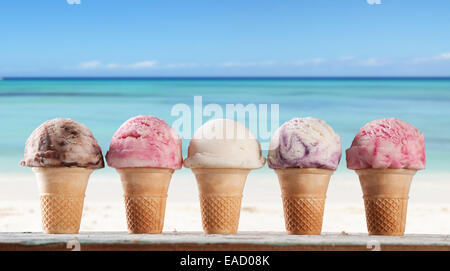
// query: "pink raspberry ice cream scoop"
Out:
[145,141]
[387,143]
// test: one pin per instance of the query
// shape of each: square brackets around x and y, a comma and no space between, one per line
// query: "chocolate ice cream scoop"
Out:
[62,143]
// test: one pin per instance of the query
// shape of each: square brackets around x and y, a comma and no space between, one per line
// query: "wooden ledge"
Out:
[197,241]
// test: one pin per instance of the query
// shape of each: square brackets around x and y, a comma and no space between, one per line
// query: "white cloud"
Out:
[236,64]
[183,65]
[346,58]
[97,65]
[420,59]
[371,62]
[111,66]
[90,65]
[343,61]
[248,64]
[142,65]
[442,57]
[310,62]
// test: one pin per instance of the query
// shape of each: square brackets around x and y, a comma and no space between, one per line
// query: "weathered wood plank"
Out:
[190,241]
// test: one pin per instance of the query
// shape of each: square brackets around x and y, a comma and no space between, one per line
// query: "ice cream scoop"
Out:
[387,143]
[145,152]
[305,143]
[62,143]
[145,142]
[386,153]
[63,153]
[221,154]
[224,143]
[304,153]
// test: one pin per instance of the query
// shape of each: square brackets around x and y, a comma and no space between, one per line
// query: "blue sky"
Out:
[225,38]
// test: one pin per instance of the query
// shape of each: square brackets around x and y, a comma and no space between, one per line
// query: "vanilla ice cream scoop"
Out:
[224,143]
[305,143]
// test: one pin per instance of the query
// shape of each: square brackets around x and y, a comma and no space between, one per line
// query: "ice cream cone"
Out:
[220,198]
[303,192]
[62,197]
[386,199]
[145,193]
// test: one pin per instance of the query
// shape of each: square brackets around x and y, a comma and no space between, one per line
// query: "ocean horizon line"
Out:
[10,78]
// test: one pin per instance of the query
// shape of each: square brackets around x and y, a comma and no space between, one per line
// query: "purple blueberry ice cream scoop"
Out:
[305,143]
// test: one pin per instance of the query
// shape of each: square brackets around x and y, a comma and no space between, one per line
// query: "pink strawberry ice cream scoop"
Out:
[387,143]
[145,141]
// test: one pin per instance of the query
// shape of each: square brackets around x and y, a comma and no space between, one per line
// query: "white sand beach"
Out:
[428,211]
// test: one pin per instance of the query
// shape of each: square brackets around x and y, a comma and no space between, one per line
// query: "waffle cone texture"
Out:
[386,193]
[303,191]
[62,192]
[220,192]
[145,194]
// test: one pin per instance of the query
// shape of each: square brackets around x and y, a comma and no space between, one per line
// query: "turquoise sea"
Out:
[104,104]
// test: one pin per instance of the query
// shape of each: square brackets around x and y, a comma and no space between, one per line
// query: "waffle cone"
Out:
[62,197]
[386,199]
[303,191]
[220,193]
[145,194]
